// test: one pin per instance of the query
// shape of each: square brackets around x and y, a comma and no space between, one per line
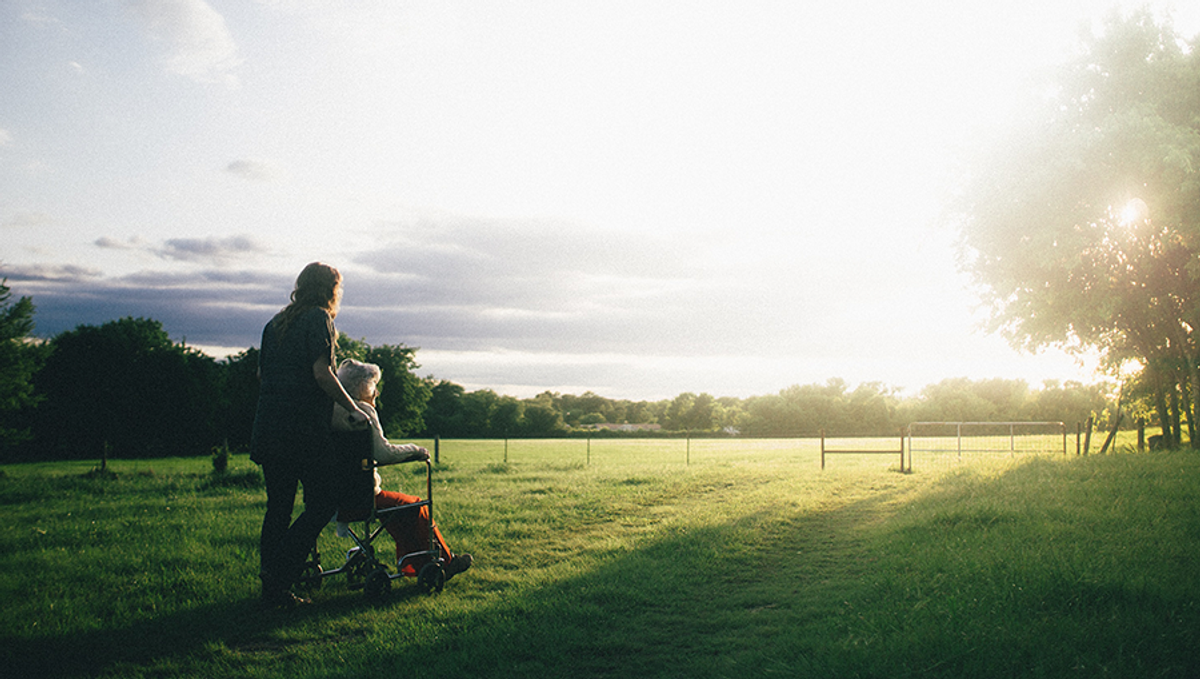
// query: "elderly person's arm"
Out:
[385,451]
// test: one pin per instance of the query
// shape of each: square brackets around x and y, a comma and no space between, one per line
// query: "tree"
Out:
[444,413]
[1082,228]
[126,387]
[241,396]
[506,417]
[700,416]
[1070,402]
[676,415]
[543,418]
[959,399]
[20,359]
[403,395]
[478,409]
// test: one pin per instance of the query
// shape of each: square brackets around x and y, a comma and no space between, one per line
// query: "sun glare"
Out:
[1134,212]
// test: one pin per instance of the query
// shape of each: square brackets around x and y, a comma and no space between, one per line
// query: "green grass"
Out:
[744,560]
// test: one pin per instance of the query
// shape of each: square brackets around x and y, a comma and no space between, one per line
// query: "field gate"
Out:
[862,451]
[971,438]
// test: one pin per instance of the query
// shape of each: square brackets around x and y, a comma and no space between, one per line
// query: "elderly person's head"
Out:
[359,379]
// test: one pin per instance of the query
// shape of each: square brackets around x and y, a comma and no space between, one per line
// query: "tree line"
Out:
[125,389]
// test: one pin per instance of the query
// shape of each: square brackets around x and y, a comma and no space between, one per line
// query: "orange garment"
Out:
[410,531]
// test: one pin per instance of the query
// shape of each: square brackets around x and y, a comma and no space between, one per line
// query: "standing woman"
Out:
[291,440]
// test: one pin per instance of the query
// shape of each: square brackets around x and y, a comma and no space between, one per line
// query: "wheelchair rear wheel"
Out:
[378,585]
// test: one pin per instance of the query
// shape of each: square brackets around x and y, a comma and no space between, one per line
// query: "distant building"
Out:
[624,427]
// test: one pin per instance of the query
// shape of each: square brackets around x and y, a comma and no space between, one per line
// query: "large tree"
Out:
[1082,226]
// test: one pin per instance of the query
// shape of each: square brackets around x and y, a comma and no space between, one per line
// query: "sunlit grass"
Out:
[741,562]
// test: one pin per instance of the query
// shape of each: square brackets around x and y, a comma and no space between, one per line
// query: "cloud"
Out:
[463,284]
[40,19]
[199,44]
[216,308]
[253,168]
[134,243]
[55,273]
[209,249]
[5,137]
[28,218]
[529,264]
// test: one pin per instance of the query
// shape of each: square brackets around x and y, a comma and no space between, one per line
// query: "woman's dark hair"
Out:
[318,285]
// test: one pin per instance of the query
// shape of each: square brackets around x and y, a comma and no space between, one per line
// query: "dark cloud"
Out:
[59,273]
[209,249]
[213,308]
[114,244]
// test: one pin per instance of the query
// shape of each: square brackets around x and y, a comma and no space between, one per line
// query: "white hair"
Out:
[358,377]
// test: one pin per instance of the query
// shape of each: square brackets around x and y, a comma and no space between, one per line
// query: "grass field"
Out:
[637,558]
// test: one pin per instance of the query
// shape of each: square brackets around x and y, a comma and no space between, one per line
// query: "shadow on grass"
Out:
[178,644]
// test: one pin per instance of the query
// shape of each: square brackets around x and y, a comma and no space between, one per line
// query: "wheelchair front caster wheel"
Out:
[431,578]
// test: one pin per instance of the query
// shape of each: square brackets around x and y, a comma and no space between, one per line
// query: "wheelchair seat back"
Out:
[353,451]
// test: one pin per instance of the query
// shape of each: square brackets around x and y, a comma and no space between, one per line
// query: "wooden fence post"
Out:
[1087,435]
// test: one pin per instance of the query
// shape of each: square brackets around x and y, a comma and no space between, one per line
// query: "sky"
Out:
[638,199]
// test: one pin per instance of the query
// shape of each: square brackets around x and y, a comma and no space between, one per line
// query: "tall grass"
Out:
[739,562]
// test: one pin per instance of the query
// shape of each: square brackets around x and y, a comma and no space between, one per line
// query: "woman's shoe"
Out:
[282,598]
[275,594]
[458,564]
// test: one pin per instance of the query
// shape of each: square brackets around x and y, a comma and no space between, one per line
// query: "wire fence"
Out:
[925,443]
[625,452]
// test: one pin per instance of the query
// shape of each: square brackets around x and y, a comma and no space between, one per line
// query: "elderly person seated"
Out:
[410,532]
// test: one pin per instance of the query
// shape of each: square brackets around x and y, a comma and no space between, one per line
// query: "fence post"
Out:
[689,451]
[437,449]
[906,432]
[822,449]
[589,452]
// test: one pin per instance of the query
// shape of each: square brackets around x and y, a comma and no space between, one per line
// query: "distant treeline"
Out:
[125,389]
